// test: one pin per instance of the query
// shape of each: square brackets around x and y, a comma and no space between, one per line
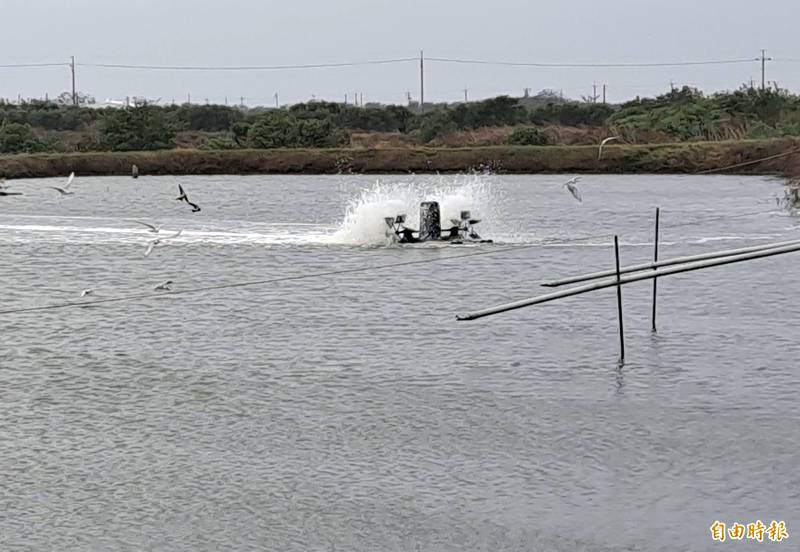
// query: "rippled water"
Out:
[352,412]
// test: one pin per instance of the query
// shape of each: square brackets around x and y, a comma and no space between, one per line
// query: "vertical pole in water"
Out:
[619,305]
[655,259]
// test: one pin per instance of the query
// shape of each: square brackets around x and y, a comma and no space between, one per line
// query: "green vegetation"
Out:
[684,115]
[527,136]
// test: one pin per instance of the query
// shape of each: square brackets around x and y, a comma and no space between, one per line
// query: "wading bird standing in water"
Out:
[602,145]
[65,190]
[158,241]
[184,197]
[573,189]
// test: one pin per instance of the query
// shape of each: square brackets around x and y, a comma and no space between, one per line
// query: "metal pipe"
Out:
[629,280]
[619,304]
[666,262]
[655,280]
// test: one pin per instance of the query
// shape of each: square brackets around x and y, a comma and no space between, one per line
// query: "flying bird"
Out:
[570,185]
[86,292]
[184,197]
[65,191]
[152,228]
[158,241]
[603,143]
[163,286]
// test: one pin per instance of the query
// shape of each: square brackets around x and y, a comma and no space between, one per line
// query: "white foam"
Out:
[364,224]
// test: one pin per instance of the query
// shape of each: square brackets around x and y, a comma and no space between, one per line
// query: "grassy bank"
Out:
[656,158]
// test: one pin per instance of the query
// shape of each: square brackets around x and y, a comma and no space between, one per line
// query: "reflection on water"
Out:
[352,412]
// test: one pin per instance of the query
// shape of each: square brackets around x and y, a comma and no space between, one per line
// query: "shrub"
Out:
[527,136]
[137,129]
[19,138]
[280,129]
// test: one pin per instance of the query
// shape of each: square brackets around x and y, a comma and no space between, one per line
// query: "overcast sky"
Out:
[267,32]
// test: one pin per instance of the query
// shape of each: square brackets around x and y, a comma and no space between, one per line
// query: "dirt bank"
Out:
[657,158]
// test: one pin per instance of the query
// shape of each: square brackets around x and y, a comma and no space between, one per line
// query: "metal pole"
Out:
[604,93]
[655,260]
[421,81]
[74,92]
[763,70]
[689,267]
[619,304]
[668,262]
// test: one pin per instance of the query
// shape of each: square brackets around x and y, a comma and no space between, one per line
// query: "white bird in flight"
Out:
[158,241]
[163,286]
[152,228]
[570,185]
[86,292]
[603,143]
[65,190]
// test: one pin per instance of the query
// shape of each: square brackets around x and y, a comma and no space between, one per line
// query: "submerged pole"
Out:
[619,303]
[667,262]
[655,260]
[689,267]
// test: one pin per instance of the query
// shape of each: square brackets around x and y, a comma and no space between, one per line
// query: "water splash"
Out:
[364,224]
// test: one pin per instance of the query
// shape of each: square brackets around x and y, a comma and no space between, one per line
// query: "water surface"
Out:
[352,412]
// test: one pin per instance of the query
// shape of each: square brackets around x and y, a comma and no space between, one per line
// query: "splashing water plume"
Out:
[364,219]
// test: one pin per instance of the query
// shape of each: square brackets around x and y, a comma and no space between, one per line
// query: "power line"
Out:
[27,65]
[588,65]
[245,67]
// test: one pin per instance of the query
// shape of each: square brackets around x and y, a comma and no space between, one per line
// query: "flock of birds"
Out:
[152,228]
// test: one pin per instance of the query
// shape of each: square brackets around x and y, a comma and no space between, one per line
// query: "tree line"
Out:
[681,115]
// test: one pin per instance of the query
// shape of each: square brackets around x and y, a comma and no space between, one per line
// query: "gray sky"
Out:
[266,32]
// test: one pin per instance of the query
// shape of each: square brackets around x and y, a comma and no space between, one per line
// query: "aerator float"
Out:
[430,229]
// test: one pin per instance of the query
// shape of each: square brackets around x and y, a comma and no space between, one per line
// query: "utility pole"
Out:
[277,105]
[345,98]
[421,81]
[226,101]
[594,93]
[604,93]
[74,92]
[241,101]
[408,97]
[764,60]
[361,99]
[466,97]
[189,98]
